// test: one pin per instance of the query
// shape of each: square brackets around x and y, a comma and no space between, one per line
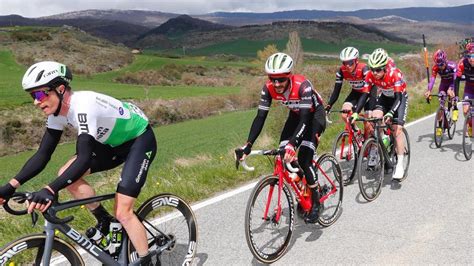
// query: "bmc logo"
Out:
[11,252]
[83,127]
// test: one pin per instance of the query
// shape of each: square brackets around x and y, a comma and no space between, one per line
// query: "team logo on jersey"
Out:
[121,111]
[82,119]
[101,131]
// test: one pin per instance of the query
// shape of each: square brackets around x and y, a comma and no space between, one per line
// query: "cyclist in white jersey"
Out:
[110,132]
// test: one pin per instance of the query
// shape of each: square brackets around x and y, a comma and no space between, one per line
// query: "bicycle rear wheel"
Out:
[370,169]
[28,250]
[331,189]
[268,237]
[169,221]
[466,139]
[439,126]
[346,155]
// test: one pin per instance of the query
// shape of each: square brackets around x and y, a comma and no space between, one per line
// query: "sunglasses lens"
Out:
[280,80]
[39,95]
[348,63]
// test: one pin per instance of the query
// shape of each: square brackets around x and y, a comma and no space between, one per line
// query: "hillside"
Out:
[330,32]
[182,25]
[84,53]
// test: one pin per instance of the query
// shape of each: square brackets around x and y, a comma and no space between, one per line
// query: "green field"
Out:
[12,95]
[248,48]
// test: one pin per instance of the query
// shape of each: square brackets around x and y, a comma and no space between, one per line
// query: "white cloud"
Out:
[39,8]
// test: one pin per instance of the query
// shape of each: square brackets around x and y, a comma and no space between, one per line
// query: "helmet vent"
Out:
[40,74]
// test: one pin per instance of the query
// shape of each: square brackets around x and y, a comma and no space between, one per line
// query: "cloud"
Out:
[39,8]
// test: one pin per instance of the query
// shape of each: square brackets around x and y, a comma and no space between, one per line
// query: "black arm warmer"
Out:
[305,119]
[257,125]
[335,93]
[457,82]
[40,159]
[84,149]
[361,102]
[397,102]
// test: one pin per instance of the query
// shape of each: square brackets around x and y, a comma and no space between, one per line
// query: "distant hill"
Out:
[184,24]
[458,14]
[149,19]
[115,31]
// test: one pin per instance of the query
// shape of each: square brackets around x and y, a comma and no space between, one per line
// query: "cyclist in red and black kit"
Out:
[447,71]
[305,123]
[466,67]
[393,101]
[353,71]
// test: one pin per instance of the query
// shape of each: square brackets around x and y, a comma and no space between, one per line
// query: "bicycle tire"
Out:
[370,177]
[406,155]
[348,165]
[439,124]
[28,250]
[270,249]
[451,126]
[466,140]
[331,207]
[168,217]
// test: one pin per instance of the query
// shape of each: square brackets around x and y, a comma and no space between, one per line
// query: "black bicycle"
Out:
[375,154]
[169,221]
[443,118]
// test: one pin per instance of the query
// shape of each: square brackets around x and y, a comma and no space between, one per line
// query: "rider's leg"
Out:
[397,130]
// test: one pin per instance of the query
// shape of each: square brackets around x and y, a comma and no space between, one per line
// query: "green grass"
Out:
[11,93]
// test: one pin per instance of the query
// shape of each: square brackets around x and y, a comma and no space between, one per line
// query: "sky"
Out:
[40,8]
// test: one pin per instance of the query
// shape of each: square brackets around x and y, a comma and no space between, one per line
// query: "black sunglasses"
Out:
[376,70]
[39,95]
[280,80]
[348,63]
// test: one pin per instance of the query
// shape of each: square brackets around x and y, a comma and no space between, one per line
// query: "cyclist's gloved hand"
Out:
[290,152]
[41,200]
[388,117]
[353,117]
[328,108]
[241,152]
[6,192]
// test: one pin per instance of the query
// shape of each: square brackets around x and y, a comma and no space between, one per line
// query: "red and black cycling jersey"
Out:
[466,69]
[299,97]
[356,80]
[392,85]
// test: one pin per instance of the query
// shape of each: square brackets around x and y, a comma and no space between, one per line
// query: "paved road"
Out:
[427,219]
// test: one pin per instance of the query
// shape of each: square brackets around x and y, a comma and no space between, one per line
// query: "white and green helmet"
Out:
[279,63]
[378,58]
[349,53]
[45,74]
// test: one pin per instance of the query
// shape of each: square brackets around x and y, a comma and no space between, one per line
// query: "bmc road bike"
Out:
[169,222]
[270,212]
[375,155]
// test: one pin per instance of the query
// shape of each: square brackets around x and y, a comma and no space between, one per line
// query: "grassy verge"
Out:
[194,161]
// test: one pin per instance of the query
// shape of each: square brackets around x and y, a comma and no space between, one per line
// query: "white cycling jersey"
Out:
[105,118]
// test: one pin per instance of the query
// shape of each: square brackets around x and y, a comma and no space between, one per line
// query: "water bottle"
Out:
[386,140]
[97,237]
[115,236]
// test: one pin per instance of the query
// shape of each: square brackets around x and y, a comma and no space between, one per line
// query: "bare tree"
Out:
[295,50]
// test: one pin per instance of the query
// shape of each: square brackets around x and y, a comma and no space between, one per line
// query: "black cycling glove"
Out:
[43,196]
[7,191]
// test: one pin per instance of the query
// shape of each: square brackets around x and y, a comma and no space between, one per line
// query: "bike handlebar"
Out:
[266,153]
[49,215]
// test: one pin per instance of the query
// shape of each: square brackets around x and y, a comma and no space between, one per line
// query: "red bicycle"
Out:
[270,213]
[346,149]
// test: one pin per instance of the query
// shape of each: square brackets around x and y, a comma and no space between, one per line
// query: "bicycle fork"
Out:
[276,217]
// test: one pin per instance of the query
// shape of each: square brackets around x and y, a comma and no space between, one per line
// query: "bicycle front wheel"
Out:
[268,236]
[29,250]
[451,126]
[439,126]
[346,154]
[467,139]
[169,222]
[370,169]
[331,189]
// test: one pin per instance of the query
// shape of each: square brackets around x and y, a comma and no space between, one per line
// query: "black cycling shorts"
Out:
[138,154]
[385,103]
